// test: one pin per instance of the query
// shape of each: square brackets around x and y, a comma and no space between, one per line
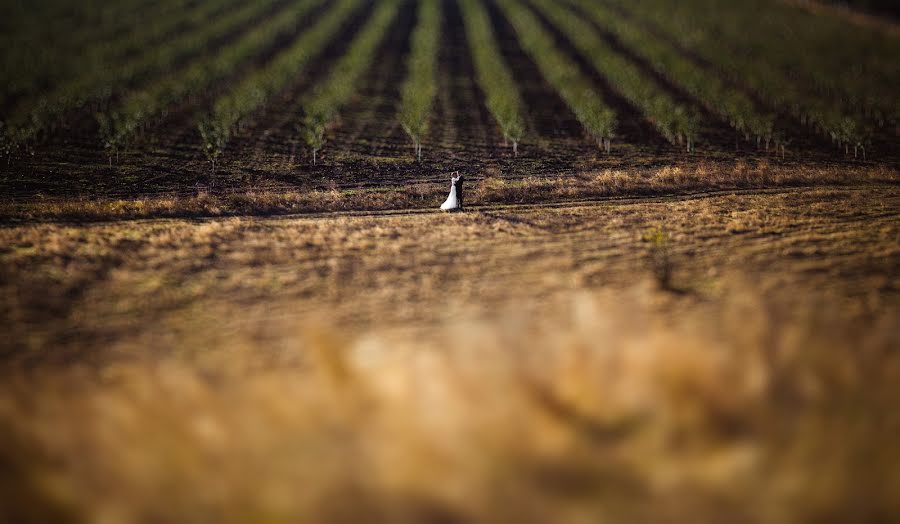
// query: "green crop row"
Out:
[744,52]
[59,47]
[706,86]
[256,89]
[419,88]
[141,108]
[72,24]
[322,104]
[851,67]
[493,74]
[676,122]
[94,87]
[562,74]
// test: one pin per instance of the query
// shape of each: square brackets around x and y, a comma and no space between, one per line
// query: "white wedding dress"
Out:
[452,202]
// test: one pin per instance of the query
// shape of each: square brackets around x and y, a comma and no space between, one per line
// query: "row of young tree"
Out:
[188,61]
[854,68]
[233,108]
[704,85]
[95,87]
[742,48]
[676,122]
[143,108]
[320,106]
[419,88]
[52,41]
[495,79]
[563,74]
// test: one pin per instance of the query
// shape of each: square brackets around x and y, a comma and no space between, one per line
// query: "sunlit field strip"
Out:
[167,369]
[563,74]
[495,79]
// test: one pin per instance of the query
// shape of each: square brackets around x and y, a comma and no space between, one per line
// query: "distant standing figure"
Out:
[454,201]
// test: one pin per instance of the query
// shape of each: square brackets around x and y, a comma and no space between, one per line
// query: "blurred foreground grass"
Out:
[741,411]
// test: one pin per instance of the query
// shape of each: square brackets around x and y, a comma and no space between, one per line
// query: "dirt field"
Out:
[524,363]
[644,335]
[104,284]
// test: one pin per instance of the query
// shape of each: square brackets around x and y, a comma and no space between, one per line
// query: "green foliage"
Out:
[493,74]
[418,91]
[323,103]
[256,89]
[98,82]
[148,57]
[56,40]
[312,130]
[706,86]
[214,136]
[561,73]
[142,107]
[837,81]
[675,122]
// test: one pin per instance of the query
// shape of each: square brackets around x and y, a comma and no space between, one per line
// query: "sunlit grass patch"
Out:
[746,411]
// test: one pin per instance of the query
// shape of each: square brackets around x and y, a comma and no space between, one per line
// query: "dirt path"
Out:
[573,203]
[584,203]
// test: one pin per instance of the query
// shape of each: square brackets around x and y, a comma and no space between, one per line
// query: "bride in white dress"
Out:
[454,201]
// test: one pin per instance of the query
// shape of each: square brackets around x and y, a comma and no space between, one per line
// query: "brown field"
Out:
[722,357]
[201,323]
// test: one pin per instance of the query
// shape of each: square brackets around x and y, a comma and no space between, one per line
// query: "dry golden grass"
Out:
[502,365]
[492,190]
[698,177]
[742,411]
[71,286]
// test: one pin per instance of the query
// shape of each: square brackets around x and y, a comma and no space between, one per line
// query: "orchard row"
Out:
[746,64]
